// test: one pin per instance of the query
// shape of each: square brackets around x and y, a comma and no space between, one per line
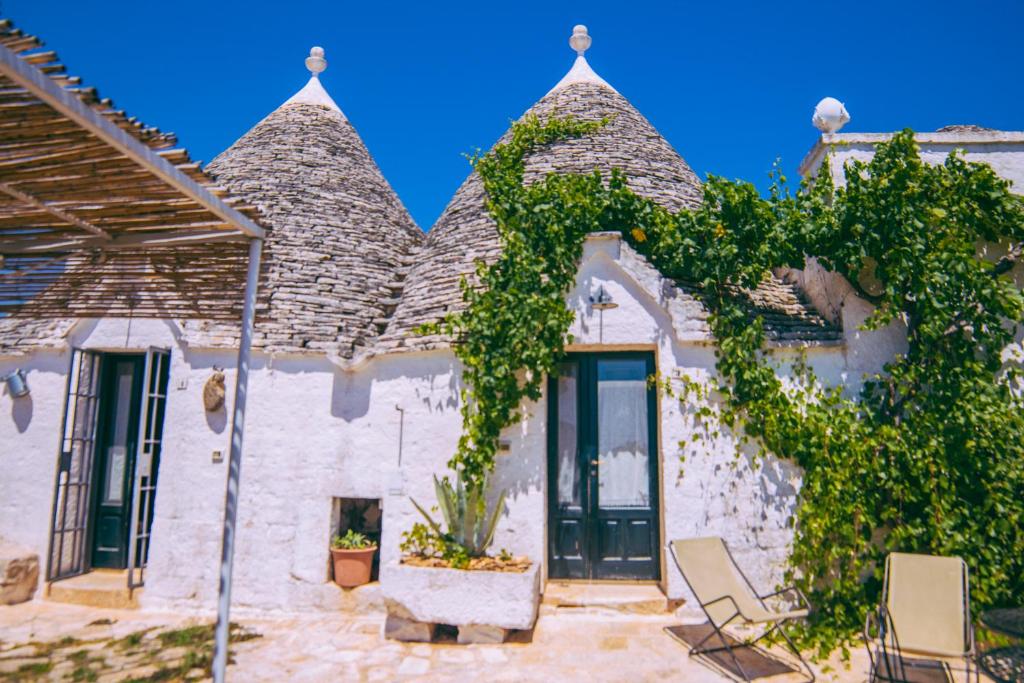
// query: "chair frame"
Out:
[895,662]
[776,625]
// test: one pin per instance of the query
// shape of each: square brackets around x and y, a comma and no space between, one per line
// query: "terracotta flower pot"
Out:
[352,567]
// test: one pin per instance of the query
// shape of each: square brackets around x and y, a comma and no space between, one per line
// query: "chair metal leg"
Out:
[698,650]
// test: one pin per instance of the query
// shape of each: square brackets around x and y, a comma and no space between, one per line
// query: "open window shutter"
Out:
[147,460]
[69,528]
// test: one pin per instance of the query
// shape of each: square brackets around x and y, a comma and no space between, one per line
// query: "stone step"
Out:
[106,588]
[625,598]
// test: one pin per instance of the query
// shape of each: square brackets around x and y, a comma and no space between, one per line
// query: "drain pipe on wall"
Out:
[227,549]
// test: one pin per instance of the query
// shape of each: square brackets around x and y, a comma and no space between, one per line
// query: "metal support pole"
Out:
[227,548]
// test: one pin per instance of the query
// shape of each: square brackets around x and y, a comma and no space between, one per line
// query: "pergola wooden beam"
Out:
[69,105]
[168,238]
[54,211]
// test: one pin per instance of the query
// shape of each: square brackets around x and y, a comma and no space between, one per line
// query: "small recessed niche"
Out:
[362,515]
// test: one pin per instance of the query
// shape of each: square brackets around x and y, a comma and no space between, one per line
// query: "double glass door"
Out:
[108,462]
[603,479]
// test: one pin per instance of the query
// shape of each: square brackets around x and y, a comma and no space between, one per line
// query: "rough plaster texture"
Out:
[29,431]
[1002,150]
[380,429]
[867,351]
[460,598]
[748,502]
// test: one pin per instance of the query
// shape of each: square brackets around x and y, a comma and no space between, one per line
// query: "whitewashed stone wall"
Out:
[712,492]
[29,433]
[382,429]
[867,351]
[1002,150]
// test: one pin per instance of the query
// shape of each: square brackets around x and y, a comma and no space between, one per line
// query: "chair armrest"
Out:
[805,603]
[704,606]
[719,599]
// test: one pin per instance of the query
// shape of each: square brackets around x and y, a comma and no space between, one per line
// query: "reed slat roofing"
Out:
[101,215]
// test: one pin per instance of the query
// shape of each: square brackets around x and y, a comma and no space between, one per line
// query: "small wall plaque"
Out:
[217,456]
[395,483]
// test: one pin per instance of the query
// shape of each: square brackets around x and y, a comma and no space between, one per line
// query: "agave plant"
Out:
[465,515]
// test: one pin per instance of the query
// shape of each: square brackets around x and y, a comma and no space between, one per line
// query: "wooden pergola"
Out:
[101,216]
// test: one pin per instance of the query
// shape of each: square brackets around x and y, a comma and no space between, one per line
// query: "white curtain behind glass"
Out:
[568,472]
[622,443]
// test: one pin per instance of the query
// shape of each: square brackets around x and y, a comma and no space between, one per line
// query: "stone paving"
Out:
[585,645]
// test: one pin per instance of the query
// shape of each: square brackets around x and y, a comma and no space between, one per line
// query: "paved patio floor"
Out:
[583,645]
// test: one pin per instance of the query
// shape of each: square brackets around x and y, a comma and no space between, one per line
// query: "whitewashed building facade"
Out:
[351,412]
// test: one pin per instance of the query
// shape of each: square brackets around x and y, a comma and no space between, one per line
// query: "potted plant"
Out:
[353,558]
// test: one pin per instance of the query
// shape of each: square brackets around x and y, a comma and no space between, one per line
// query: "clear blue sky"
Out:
[731,85]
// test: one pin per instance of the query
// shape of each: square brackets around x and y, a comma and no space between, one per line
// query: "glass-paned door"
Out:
[109,457]
[603,468]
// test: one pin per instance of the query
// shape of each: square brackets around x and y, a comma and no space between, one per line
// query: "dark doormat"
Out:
[756,662]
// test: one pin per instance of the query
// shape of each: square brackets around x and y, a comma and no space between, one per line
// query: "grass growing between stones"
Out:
[146,656]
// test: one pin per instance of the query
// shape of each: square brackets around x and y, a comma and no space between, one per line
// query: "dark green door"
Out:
[116,446]
[603,478]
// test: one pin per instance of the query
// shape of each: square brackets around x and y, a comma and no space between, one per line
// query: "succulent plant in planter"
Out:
[469,528]
[353,558]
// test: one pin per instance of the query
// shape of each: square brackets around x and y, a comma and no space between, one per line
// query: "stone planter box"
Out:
[484,605]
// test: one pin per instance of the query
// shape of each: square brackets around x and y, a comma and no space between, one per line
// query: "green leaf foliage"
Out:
[929,457]
[468,527]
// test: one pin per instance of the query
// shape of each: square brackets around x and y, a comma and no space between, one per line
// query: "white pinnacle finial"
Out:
[315,62]
[579,41]
[830,115]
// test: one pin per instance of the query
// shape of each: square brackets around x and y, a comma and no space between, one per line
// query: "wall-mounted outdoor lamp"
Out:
[602,300]
[17,385]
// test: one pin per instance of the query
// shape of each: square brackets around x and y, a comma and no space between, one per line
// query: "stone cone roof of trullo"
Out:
[340,241]
[465,232]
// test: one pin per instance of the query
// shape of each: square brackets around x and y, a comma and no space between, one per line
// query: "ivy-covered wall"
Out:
[937,435]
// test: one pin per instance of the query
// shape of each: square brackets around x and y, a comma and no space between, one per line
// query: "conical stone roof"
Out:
[465,231]
[339,239]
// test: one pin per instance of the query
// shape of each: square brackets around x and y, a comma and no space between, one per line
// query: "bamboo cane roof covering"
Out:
[101,215]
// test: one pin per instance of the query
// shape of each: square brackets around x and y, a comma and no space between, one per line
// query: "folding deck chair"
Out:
[727,597]
[926,614]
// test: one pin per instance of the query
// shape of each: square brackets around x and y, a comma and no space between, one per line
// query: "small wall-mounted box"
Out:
[504,447]
[217,456]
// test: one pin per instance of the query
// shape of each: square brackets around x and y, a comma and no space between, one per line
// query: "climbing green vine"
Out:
[927,457]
